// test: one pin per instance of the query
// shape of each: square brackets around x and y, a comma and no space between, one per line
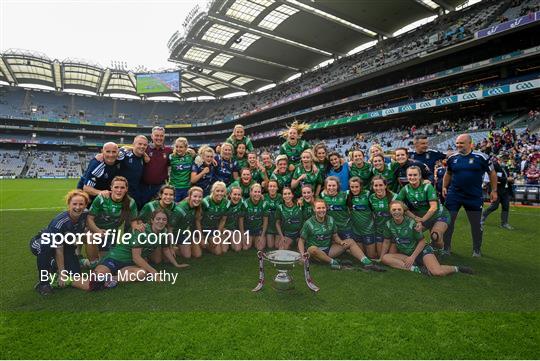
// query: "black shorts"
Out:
[419,261]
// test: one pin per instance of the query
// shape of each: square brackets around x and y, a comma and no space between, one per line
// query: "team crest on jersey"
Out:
[427,155]
[471,160]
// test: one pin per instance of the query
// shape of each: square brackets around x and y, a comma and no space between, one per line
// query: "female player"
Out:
[225,165]
[319,237]
[424,206]
[241,157]
[269,166]
[306,202]
[339,169]
[294,145]
[403,163]
[56,260]
[272,200]
[245,182]
[306,173]
[181,162]
[376,149]
[379,201]
[282,174]
[385,170]
[288,220]
[202,171]
[108,214]
[321,158]
[165,202]
[361,217]
[186,218]
[238,137]
[133,256]
[258,172]
[336,203]
[413,254]
[234,212]
[359,167]
[214,216]
[254,218]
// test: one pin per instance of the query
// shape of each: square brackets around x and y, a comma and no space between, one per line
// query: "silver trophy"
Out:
[284,261]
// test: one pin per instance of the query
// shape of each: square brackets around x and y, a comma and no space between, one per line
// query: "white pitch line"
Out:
[29,209]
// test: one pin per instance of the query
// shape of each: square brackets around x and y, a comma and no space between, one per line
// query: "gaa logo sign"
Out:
[495,91]
[374,114]
[469,96]
[390,111]
[446,100]
[424,105]
[524,86]
[407,108]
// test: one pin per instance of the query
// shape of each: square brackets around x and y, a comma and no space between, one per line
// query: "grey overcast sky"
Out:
[100,31]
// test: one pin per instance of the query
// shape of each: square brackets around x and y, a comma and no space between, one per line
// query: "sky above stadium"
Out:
[98,31]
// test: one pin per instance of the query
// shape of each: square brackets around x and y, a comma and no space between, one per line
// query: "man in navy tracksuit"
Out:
[462,186]
[423,154]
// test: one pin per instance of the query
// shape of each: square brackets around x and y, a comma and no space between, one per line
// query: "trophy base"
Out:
[283,281]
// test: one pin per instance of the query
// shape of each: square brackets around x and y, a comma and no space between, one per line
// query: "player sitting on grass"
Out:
[214,216]
[413,254]
[319,237]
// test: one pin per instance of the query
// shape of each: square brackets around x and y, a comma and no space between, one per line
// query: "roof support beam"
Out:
[444,5]
[217,80]
[207,66]
[248,29]
[201,88]
[241,55]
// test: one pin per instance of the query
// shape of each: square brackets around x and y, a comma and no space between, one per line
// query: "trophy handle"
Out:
[307,275]
[260,285]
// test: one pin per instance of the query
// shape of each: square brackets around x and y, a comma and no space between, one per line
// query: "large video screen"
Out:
[158,82]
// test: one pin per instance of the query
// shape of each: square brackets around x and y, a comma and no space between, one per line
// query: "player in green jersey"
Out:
[294,145]
[379,201]
[165,202]
[245,182]
[272,199]
[132,255]
[254,218]
[241,158]
[282,174]
[336,203]
[413,253]
[234,212]
[319,237]
[307,201]
[185,219]
[359,167]
[288,220]
[258,172]
[214,216]
[306,173]
[362,223]
[118,212]
[424,206]
[269,167]
[237,137]
[321,158]
[180,161]
[385,170]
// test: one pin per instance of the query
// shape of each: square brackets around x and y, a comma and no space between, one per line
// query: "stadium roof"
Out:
[246,44]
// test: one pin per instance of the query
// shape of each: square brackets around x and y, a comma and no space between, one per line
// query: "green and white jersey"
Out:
[417,199]
[241,163]
[271,207]
[212,212]
[338,210]
[284,180]
[403,235]
[257,175]
[318,234]
[245,140]
[361,215]
[270,170]
[245,187]
[253,214]
[381,211]
[312,178]
[291,218]
[234,211]
[294,152]
[123,252]
[151,207]
[107,212]
[364,173]
[389,174]
[183,217]
[180,176]
[307,210]
[322,166]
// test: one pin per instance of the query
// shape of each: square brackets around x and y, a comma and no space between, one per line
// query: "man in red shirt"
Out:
[155,172]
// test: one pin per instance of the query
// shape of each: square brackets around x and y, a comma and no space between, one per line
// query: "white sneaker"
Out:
[477,254]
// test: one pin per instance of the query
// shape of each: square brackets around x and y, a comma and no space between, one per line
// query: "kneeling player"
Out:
[413,254]
[320,239]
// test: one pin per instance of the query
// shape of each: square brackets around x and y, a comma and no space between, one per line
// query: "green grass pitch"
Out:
[150,85]
[211,313]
